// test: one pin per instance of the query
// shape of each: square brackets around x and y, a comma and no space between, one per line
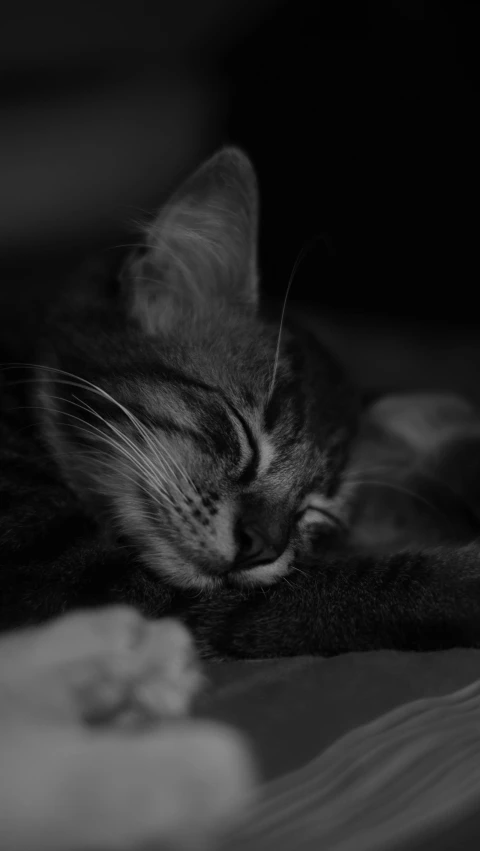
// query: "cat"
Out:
[90,758]
[200,456]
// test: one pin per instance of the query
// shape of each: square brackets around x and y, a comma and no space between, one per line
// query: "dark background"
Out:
[363,121]
[361,118]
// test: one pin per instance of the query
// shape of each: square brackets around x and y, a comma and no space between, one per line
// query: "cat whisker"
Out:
[118,520]
[144,245]
[147,279]
[305,249]
[158,495]
[133,446]
[170,460]
[164,458]
[352,475]
[136,209]
[137,424]
[82,383]
[156,446]
[150,492]
[298,570]
[124,546]
[138,462]
[85,384]
[403,490]
[135,464]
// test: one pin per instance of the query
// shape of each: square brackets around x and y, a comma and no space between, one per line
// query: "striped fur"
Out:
[174,411]
[188,416]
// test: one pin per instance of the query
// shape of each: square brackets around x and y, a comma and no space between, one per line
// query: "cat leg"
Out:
[102,666]
[178,787]
[71,780]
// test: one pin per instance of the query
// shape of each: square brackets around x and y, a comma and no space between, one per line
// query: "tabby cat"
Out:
[199,460]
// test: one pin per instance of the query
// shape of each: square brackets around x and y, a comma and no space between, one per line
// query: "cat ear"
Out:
[202,247]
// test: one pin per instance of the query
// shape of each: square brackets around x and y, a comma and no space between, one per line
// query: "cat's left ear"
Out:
[202,247]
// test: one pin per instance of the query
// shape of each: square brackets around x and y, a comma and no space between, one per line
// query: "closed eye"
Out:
[247,475]
[250,455]
[312,515]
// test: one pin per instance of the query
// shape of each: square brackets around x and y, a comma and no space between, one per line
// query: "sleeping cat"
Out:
[206,453]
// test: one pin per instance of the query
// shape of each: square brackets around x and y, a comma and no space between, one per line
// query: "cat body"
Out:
[200,458]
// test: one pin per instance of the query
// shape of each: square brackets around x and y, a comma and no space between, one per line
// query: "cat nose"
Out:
[255,546]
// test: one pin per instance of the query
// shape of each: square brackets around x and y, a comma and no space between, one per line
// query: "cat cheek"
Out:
[311,534]
[311,531]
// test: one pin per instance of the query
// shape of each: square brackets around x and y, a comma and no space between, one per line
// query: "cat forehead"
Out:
[267,452]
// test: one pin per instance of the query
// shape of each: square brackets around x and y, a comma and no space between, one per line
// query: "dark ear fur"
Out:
[201,247]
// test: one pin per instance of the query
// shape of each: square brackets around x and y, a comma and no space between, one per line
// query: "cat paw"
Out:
[135,671]
[105,666]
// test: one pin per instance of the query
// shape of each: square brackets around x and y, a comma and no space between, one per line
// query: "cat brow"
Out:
[171,375]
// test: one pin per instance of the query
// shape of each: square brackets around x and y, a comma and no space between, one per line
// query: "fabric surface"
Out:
[293,710]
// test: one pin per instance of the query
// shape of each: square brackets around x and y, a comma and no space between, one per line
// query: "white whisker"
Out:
[99,434]
[149,492]
[145,245]
[136,466]
[85,384]
[298,570]
[299,259]
[402,490]
[156,445]
[352,475]
[133,446]
[169,460]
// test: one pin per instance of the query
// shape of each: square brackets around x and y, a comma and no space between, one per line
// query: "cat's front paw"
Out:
[135,670]
[109,666]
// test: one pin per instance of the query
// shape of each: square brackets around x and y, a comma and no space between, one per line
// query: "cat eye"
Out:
[312,515]
[249,451]
[247,474]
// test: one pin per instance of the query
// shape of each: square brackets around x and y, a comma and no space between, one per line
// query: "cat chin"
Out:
[186,575]
[263,574]
[183,574]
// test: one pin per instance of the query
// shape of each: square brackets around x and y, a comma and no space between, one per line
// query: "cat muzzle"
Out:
[256,545]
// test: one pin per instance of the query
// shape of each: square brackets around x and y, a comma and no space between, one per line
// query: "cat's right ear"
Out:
[201,250]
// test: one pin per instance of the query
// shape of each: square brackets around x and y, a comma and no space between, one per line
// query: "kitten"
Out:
[181,417]
[211,447]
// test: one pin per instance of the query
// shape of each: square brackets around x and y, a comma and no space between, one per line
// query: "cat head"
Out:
[208,438]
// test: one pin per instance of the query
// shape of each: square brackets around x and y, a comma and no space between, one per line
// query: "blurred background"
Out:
[361,118]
